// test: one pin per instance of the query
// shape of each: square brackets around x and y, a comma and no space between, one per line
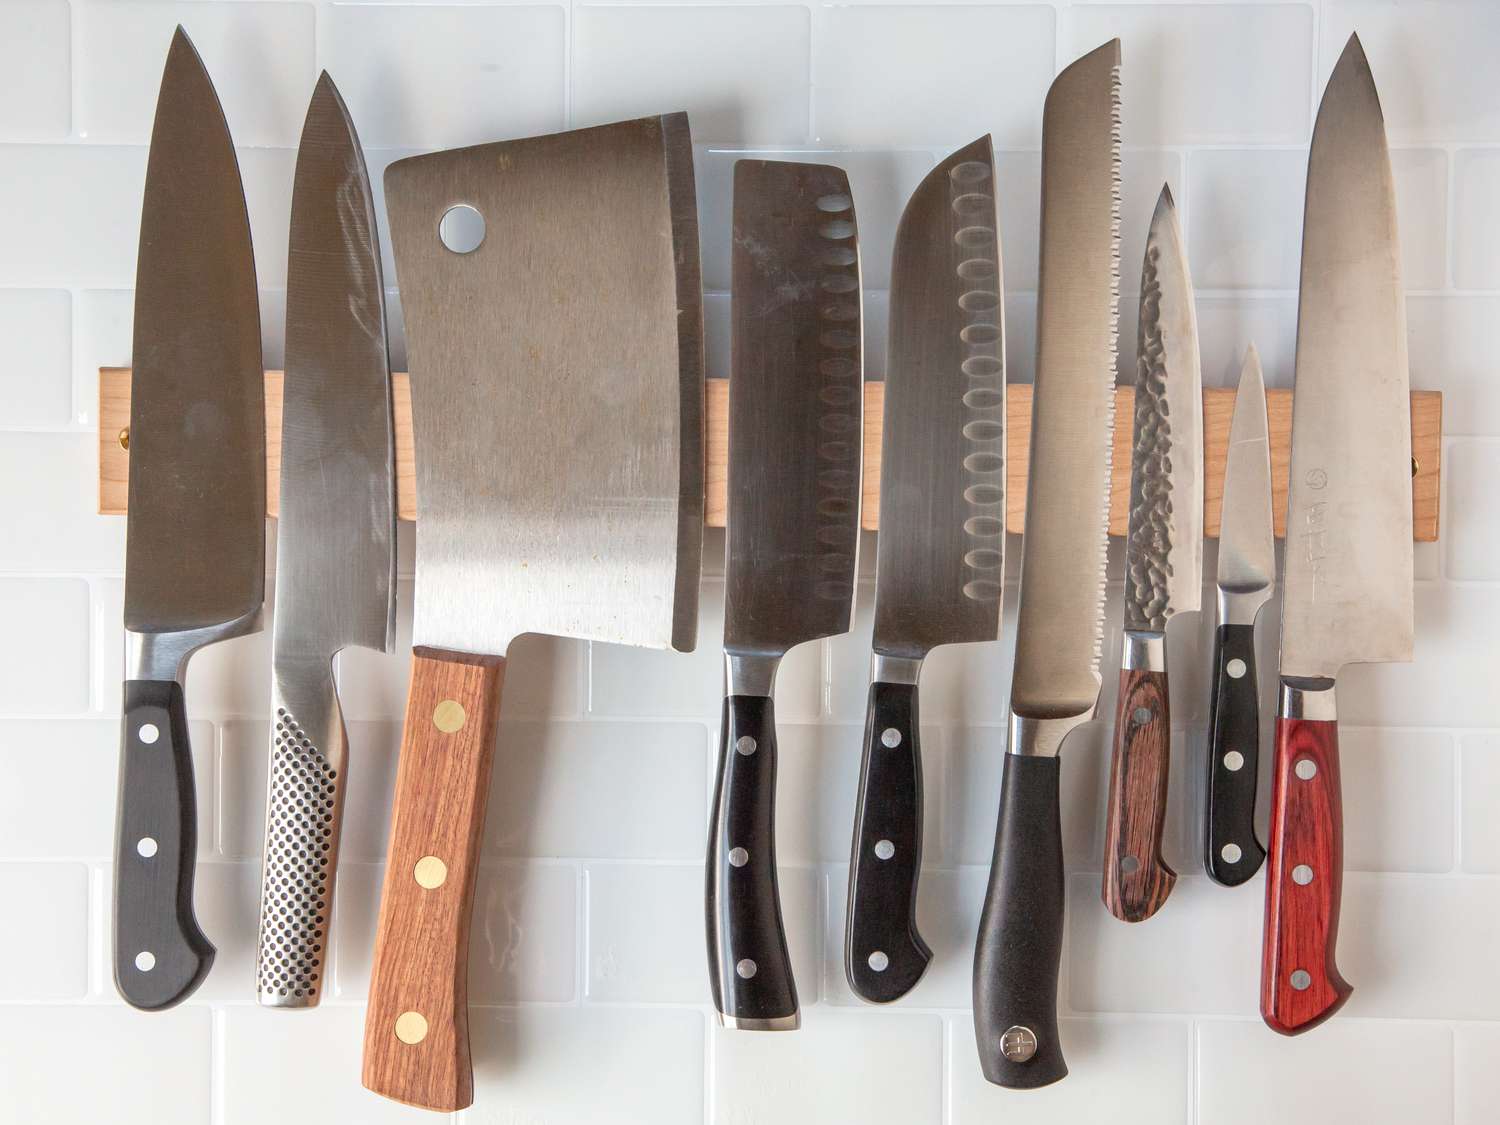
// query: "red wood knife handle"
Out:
[1136,878]
[1300,985]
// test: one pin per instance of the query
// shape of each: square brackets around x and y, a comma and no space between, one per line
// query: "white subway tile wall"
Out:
[586,963]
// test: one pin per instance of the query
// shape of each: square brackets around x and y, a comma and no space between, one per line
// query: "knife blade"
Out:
[1347,594]
[1246,575]
[795,406]
[557,376]
[195,533]
[336,538]
[1060,623]
[1163,568]
[940,555]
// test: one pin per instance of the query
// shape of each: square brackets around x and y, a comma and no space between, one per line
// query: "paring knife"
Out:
[1163,567]
[557,376]
[1347,592]
[336,538]
[795,408]
[1060,626]
[1246,575]
[940,554]
[195,539]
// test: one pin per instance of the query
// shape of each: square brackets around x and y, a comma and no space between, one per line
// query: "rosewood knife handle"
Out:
[749,967]
[1136,878]
[1231,852]
[1300,985]
[884,955]
[1019,947]
[161,955]
[417,1023]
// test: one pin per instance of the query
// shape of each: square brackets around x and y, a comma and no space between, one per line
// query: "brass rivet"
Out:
[430,872]
[124,439]
[448,716]
[1415,465]
[411,1027]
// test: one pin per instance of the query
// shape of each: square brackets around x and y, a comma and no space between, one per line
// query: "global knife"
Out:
[795,407]
[1163,567]
[557,375]
[1347,593]
[195,533]
[1060,627]
[940,554]
[335,544]
[1247,572]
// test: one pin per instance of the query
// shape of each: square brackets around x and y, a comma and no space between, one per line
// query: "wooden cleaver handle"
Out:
[417,1023]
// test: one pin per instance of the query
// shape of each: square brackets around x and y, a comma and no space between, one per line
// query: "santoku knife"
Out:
[195,539]
[1347,592]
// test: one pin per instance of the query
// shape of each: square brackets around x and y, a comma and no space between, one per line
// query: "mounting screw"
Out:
[123,437]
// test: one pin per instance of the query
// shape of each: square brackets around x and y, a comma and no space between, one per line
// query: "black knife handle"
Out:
[1019,948]
[748,962]
[1234,740]
[884,955]
[161,956]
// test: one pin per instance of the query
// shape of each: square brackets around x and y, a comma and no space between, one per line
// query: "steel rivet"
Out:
[1306,769]
[1130,865]
[879,961]
[1302,874]
[1231,853]
[884,849]
[411,1027]
[1142,716]
[123,437]
[430,872]
[145,961]
[145,847]
[448,716]
[148,733]
[1236,668]
[1301,980]
[745,745]
[738,857]
[746,969]
[890,738]
[1018,1043]
[1234,761]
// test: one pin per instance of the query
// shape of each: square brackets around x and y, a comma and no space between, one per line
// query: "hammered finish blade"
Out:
[1164,543]
[1247,545]
[942,457]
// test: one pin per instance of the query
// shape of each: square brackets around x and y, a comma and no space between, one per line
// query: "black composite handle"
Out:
[1231,852]
[161,956]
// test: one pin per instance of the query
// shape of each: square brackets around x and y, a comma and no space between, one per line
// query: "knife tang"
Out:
[1231,851]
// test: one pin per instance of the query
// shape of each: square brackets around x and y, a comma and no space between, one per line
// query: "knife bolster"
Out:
[751,673]
[1311,699]
[1041,738]
[164,655]
[1144,652]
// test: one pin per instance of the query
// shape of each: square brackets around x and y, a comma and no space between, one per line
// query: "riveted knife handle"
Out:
[1231,852]
[749,967]
[161,955]
[417,1024]
[1136,878]
[1019,949]
[1300,985]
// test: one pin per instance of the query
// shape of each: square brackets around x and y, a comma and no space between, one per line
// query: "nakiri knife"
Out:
[1163,568]
[1347,594]
[1060,626]
[795,411]
[195,538]
[335,543]
[1246,576]
[940,555]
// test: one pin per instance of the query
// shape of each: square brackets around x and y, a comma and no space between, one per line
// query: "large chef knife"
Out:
[1347,593]
[1055,685]
[195,539]
[795,407]
[335,543]
[557,378]
[1247,571]
[940,564]
[1163,567]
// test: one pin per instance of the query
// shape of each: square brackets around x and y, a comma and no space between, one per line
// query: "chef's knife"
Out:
[557,377]
[1163,567]
[1347,592]
[335,543]
[195,538]
[940,555]
[1060,626]
[795,408]
[1247,571]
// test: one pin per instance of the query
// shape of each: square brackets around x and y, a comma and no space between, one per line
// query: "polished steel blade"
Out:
[1247,545]
[942,453]
[1348,585]
[795,407]
[1061,617]
[195,544]
[336,535]
[1164,542]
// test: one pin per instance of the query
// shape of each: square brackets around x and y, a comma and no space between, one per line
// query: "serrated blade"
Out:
[795,407]
[1061,617]
[1164,541]
[1247,545]
[1348,587]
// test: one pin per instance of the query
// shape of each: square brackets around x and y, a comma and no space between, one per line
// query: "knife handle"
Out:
[417,1024]
[1019,948]
[1300,985]
[1231,852]
[884,955]
[749,967]
[1137,880]
[161,955]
